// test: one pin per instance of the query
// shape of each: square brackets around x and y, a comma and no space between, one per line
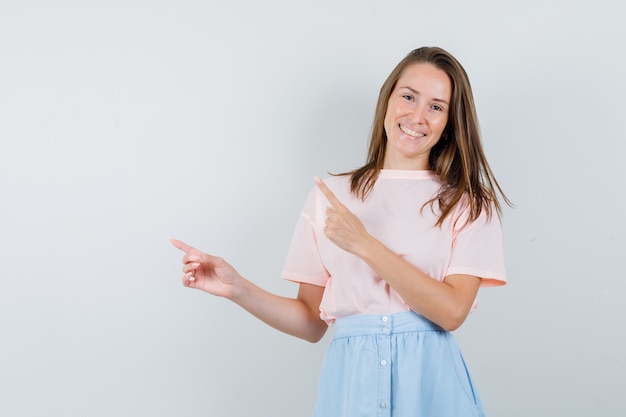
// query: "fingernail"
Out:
[192,278]
[193,258]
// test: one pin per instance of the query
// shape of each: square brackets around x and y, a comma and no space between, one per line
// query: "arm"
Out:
[445,303]
[298,317]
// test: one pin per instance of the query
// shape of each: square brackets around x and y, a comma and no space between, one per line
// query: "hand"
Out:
[343,228]
[207,273]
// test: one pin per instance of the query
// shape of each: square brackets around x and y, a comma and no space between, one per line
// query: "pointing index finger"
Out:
[182,245]
[334,201]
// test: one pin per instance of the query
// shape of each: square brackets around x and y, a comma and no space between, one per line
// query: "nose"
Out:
[418,113]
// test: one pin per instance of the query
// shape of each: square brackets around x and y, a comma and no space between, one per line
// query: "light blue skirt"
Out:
[398,365]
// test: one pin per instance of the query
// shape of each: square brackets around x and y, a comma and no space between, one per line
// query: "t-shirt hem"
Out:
[303,278]
[488,278]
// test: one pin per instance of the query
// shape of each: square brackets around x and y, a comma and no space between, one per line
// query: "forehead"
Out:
[426,79]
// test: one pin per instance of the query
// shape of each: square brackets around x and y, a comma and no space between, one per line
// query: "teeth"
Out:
[411,132]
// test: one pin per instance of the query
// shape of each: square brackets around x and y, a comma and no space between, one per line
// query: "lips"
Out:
[410,132]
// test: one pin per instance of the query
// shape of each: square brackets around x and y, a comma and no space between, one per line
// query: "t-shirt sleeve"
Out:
[477,250]
[303,262]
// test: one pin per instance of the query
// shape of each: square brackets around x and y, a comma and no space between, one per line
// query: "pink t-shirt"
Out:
[391,213]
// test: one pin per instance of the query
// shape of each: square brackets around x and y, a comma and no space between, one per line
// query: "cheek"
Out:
[441,123]
[391,116]
[387,124]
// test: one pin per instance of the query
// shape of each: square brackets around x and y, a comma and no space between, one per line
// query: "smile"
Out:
[410,132]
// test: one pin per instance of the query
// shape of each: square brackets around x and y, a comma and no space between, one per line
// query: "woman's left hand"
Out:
[343,228]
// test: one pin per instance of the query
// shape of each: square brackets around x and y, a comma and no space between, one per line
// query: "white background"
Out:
[126,123]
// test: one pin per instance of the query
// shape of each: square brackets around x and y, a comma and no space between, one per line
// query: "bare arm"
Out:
[445,303]
[298,317]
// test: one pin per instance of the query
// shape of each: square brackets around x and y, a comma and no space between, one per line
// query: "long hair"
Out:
[457,158]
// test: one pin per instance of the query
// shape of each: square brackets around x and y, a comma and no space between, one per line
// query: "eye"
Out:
[408,97]
[437,107]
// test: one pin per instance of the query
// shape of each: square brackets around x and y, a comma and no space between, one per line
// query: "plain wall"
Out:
[126,123]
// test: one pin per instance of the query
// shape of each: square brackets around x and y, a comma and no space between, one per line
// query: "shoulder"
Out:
[464,215]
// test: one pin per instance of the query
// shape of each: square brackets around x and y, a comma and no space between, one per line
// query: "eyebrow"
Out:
[440,100]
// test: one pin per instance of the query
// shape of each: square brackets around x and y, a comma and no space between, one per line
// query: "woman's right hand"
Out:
[298,317]
[207,273]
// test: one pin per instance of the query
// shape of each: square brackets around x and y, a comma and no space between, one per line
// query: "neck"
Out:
[407,165]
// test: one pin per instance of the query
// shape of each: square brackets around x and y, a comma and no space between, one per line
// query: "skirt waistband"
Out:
[382,324]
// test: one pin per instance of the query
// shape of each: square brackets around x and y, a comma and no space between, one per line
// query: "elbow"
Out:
[314,331]
[451,325]
[317,334]
[313,338]
[453,320]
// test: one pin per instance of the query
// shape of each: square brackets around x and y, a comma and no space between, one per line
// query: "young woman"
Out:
[392,254]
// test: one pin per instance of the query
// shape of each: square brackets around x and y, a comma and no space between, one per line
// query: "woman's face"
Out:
[417,114]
